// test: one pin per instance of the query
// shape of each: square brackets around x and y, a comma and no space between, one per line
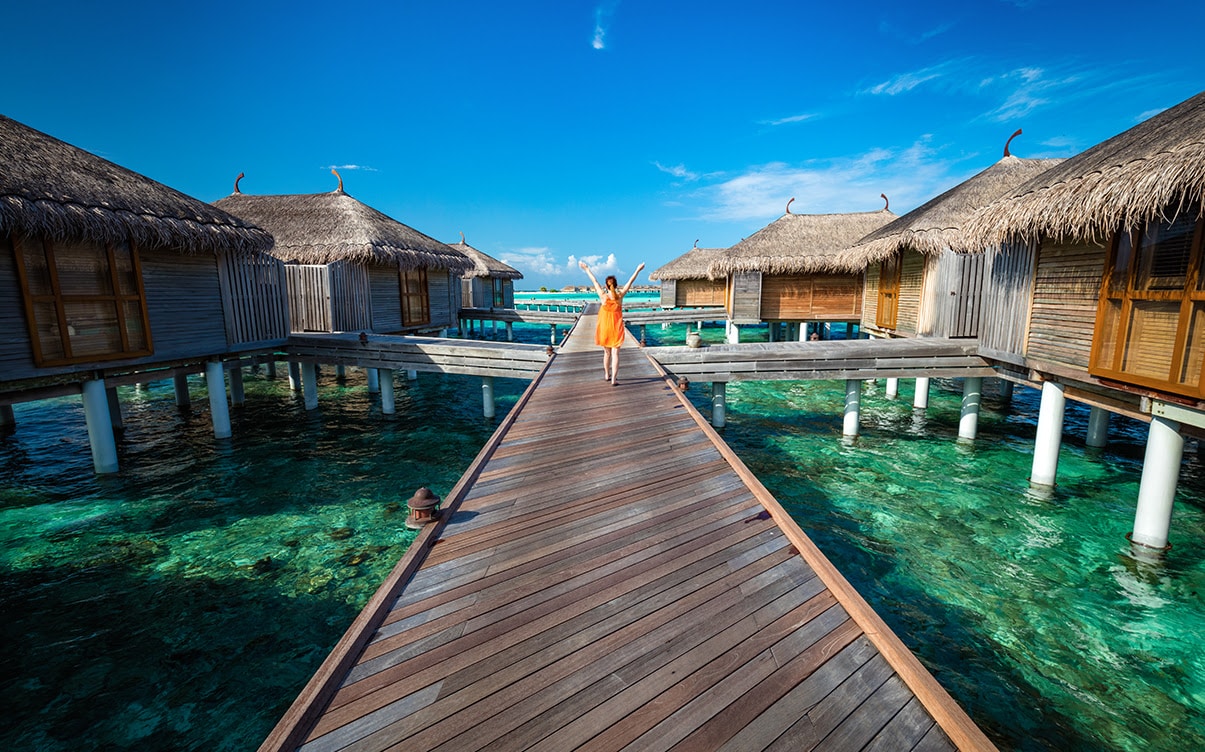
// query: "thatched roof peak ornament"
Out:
[1009,141]
[886,203]
[336,174]
[788,209]
[240,177]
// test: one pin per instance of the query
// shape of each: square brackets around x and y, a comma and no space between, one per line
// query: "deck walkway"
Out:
[609,575]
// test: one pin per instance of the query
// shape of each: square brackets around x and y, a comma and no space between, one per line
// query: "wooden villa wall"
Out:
[443,297]
[508,293]
[912,274]
[745,293]
[953,288]
[351,309]
[309,297]
[811,297]
[1066,291]
[699,292]
[385,285]
[669,293]
[254,297]
[467,296]
[1007,291]
[184,307]
[870,297]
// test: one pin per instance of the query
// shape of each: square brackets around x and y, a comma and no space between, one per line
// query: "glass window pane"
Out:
[135,333]
[1110,326]
[83,269]
[1164,255]
[1151,338]
[37,271]
[92,328]
[49,338]
[1194,351]
[1123,254]
[127,281]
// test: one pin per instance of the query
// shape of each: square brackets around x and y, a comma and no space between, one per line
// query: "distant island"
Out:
[586,288]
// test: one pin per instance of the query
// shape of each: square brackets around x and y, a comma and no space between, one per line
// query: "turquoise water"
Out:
[183,603]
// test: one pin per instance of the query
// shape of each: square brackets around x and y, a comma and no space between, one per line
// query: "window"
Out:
[83,302]
[1150,325]
[889,291]
[416,305]
[499,292]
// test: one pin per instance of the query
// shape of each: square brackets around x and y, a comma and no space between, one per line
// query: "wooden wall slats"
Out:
[386,298]
[1066,291]
[746,297]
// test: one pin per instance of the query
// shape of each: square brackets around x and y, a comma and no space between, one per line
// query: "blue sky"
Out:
[616,132]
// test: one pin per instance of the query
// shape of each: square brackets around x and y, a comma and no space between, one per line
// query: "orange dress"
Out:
[610,331]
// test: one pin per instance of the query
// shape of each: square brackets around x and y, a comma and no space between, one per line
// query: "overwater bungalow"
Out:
[921,278]
[110,277]
[489,283]
[685,283]
[351,267]
[791,271]
[1096,291]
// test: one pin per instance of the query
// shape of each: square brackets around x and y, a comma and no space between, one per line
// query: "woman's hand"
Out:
[639,268]
[582,264]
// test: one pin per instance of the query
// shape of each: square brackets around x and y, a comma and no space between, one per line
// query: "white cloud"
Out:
[602,23]
[532,261]
[678,171]
[905,82]
[847,184]
[599,264]
[365,168]
[791,119]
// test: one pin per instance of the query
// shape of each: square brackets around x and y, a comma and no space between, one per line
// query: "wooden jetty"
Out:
[607,574]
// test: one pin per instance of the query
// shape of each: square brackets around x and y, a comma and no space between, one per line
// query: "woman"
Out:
[610,331]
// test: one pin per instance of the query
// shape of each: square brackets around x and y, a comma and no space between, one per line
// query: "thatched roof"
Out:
[484,265]
[52,189]
[690,265]
[800,244]
[319,228]
[1155,169]
[938,224]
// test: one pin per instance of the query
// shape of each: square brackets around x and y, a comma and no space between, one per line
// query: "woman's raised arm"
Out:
[630,281]
[597,287]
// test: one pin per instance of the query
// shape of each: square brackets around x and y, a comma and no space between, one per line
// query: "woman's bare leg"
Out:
[614,364]
[606,363]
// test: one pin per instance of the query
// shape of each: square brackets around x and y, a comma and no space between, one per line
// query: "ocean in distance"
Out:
[182,603]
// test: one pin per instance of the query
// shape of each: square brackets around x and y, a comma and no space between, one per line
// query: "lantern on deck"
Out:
[424,508]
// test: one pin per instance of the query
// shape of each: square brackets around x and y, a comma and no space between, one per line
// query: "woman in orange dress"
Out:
[610,331]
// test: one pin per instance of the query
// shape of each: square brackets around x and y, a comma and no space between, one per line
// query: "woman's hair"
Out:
[611,283]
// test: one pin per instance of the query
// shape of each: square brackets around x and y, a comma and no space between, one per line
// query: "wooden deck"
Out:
[609,575]
[435,354]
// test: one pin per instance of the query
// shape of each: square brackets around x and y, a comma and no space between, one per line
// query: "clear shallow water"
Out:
[183,603]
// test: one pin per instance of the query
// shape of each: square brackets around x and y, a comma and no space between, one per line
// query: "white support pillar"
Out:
[1098,427]
[734,334]
[920,400]
[374,380]
[552,338]
[340,371]
[893,387]
[803,331]
[100,427]
[411,374]
[719,404]
[1050,435]
[487,396]
[853,406]
[272,369]
[309,384]
[219,409]
[115,416]
[238,397]
[510,331]
[8,420]
[773,331]
[294,376]
[1157,489]
[180,386]
[972,395]
[388,405]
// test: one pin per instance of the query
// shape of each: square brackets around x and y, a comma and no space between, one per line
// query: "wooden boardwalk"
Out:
[608,576]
